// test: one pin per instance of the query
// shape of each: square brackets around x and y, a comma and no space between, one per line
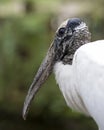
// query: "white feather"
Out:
[82,83]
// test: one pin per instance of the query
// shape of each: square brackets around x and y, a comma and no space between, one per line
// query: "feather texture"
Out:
[82,83]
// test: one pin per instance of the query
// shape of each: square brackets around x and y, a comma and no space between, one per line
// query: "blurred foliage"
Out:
[24,40]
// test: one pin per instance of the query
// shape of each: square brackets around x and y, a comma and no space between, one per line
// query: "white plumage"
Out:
[82,83]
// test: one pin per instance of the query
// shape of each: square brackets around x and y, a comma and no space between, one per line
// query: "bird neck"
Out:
[68,58]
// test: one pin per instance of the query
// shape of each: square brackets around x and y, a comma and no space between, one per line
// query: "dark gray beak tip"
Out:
[24,117]
[24,113]
[27,103]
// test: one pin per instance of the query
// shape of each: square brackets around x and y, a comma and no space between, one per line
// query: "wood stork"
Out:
[78,68]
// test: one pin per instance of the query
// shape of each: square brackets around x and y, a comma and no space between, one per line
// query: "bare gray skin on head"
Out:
[68,38]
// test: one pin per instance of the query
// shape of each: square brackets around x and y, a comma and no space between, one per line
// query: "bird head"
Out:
[71,34]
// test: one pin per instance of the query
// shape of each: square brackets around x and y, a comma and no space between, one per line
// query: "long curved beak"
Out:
[41,76]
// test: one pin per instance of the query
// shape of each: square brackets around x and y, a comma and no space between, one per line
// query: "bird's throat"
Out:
[77,43]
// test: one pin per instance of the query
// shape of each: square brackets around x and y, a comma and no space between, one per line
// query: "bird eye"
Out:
[61,32]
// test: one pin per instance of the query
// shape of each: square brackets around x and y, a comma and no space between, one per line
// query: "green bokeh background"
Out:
[26,31]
